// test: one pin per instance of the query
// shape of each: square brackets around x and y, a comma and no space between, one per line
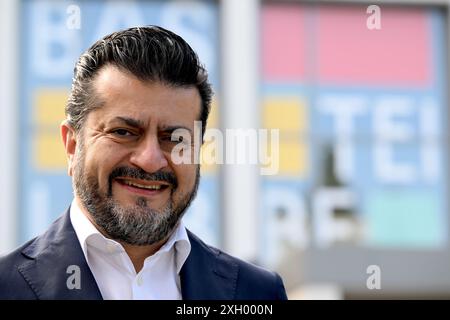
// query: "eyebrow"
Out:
[140,124]
[131,122]
[170,129]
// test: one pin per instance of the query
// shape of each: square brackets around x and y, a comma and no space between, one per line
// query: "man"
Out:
[122,237]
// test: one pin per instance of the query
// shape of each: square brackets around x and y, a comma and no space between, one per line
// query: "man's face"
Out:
[122,168]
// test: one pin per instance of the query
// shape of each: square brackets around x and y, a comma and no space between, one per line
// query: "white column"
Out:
[240,109]
[8,123]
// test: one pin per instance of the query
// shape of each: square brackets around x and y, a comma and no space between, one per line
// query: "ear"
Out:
[69,138]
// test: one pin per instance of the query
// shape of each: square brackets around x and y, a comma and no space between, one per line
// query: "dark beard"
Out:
[138,224]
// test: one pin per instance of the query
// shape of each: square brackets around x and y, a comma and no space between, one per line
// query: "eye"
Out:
[123,132]
[177,139]
[170,138]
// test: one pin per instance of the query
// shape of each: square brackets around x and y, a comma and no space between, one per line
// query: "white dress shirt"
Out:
[114,272]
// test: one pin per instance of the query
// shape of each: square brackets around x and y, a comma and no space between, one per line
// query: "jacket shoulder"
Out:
[12,284]
[253,282]
[260,282]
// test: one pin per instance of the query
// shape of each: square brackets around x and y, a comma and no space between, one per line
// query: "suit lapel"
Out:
[207,274]
[49,258]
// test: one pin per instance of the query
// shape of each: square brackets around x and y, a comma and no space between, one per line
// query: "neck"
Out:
[138,254]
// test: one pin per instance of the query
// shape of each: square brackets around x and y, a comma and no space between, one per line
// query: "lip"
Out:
[144,192]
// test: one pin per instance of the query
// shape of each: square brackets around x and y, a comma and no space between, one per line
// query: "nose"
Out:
[148,156]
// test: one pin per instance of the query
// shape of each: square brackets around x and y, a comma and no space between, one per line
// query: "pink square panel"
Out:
[283,38]
[350,53]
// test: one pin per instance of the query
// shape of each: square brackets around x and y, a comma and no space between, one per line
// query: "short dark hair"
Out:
[150,53]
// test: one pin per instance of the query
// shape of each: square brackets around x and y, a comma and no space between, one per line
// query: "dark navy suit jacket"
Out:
[38,270]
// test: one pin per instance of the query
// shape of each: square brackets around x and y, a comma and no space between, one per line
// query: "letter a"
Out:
[374,280]
[374,21]
[74,280]
[74,19]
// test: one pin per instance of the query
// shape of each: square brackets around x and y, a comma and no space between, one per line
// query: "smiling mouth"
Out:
[143,187]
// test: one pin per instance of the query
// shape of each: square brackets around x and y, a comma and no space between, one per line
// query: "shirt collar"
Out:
[88,235]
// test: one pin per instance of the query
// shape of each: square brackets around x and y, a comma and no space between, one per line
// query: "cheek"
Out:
[99,162]
[186,175]
[78,163]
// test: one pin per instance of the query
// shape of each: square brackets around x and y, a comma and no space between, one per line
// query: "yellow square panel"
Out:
[49,154]
[213,119]
[208,162]
[50,104]
[293,158]
[213,122]
[285,113]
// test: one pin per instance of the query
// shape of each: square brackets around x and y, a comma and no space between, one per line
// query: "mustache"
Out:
[137,173]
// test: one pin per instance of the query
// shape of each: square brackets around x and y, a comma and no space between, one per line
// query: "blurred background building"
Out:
[359,205]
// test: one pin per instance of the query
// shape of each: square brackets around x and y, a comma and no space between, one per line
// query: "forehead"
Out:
[122,94]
